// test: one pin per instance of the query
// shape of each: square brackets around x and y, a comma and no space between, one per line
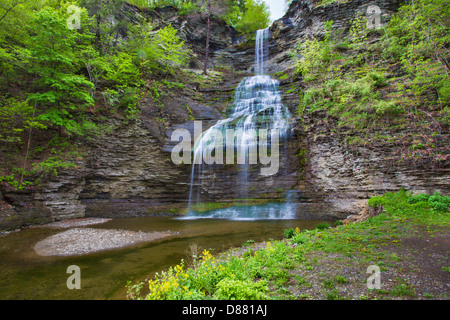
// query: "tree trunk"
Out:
[208,33]
[28,145]
[98,32]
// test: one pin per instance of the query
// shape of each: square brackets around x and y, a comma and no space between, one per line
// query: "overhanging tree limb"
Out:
[9,10]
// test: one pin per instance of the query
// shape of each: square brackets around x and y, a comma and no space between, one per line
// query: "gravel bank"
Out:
[79,241]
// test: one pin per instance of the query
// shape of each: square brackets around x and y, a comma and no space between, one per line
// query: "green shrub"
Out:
[387,108]
[289,233]
[418,198]
[323,226]
[338,223]
[340,279]
[436,201]
[375,202]
[299,239]
[378,79]
[439,206]
[233,289]
[436,197]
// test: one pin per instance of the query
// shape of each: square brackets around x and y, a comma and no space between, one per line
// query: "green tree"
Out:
[14,38]
[160,52]
[256,17]
[16,116]
[61,93]
[235,11]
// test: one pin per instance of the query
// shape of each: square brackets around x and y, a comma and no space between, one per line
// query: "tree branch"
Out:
[7,11]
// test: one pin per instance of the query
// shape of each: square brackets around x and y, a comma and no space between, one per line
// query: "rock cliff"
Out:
[338,178]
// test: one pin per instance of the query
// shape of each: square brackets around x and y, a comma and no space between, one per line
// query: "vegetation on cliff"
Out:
[393,80]
[73,70]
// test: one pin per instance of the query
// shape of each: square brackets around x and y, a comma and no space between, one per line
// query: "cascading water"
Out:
[261,50]
[257,109]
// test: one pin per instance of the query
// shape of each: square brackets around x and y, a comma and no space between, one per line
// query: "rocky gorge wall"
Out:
[338,179]
[129,172]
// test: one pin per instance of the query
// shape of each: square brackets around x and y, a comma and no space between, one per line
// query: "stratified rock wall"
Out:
[339,179]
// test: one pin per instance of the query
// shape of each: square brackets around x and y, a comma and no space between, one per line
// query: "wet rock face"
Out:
[22,208]
[128,174]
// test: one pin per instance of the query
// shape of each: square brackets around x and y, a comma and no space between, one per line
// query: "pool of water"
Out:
[268,211]
[104,275]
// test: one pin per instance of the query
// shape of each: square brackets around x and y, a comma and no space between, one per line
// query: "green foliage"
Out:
[52,165]
[323,226]
[418,36]
[355,101]
[327,2]
[15,117]
[289,233]
[14,53]
[340,279]
[213,279]
[375,202]
[184,6]
[61,92]
[347,76]
[231,289]
[246,16]
[248,273]
[389,109]
[119,69]
[255,17]
[316,57]
[436,201]
[61,157]
[58,81]
[160,52]
[418,198]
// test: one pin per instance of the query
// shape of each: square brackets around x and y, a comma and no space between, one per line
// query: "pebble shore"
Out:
[79,240]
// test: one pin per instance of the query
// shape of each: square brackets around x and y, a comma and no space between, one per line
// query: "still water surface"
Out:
[104,275]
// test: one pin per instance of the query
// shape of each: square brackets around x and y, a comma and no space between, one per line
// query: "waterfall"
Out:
[261,50]
[257,109]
